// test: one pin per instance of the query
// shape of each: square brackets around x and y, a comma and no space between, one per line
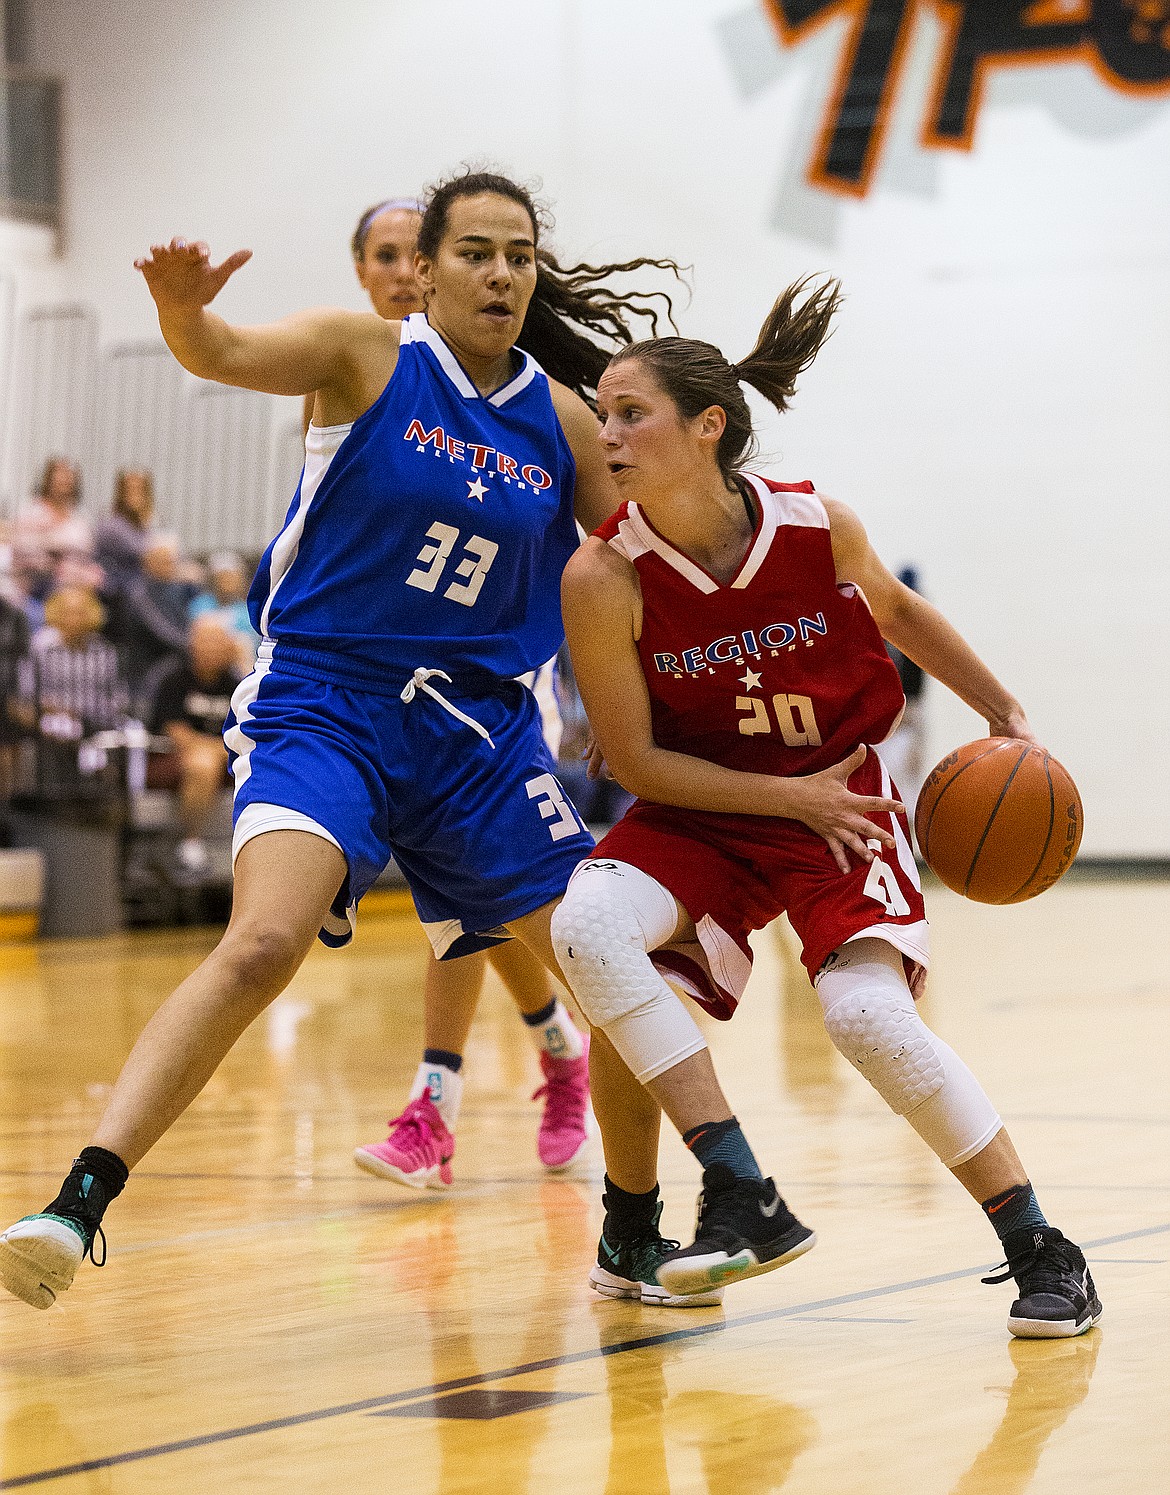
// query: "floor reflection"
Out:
[746,1444]
[1051,1381]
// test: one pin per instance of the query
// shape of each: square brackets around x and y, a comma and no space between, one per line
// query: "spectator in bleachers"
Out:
[14,639]
[225,599]
[150,620]
[122,535]
[190,703]
[52,538]
[70,687]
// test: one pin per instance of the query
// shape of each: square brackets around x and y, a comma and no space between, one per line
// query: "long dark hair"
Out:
[696,375]
[567,298]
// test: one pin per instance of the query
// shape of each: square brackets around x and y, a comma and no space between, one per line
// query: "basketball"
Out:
[999,820]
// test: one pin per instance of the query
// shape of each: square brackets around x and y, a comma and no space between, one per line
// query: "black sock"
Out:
[453,1062]
[538,1019]
[628,1216]
[96,1178]
[1014,1209]
[723,1142]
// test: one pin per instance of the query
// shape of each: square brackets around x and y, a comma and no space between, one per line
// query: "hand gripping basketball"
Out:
[830,808]
[180,276]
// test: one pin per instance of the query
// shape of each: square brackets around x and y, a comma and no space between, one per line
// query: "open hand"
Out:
[180,276]
[830,808]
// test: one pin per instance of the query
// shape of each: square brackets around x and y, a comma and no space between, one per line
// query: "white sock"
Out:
[445,1088]
[558,1036]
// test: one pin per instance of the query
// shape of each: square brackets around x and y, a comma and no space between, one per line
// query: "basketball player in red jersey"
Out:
[420,1145]
[726,632]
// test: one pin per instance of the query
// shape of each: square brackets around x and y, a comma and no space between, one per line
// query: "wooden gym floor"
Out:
[272,1319]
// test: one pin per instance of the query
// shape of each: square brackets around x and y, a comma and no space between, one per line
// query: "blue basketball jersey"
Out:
[431,532]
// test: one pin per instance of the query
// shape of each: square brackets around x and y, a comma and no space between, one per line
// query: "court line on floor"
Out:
[554,1362]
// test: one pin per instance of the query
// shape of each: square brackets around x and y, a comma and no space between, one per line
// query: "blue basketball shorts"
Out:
[454,781]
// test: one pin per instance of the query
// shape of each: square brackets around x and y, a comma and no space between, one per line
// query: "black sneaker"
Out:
[629,1269]
[744,1228]
[1057,1297]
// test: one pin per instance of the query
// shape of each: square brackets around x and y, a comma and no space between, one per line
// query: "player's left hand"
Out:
[597,767]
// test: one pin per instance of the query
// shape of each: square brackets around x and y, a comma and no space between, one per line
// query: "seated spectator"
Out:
[52,539]
[14,637]
[226,598]
[190,703]
[123,534]
[150,617]
[70,688]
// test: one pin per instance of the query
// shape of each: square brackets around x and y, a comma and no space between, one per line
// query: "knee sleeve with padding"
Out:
[611,916]
[871,1018]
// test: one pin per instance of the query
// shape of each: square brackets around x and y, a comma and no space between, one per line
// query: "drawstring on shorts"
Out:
[421,679]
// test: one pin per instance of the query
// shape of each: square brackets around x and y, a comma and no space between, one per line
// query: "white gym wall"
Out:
[995,403]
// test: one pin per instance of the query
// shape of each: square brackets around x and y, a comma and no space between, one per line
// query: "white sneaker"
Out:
[38,1257]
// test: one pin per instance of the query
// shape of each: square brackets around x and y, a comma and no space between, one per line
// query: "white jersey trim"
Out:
[803,509]
[649,539]
[321,446]
[416,329]
[769,521]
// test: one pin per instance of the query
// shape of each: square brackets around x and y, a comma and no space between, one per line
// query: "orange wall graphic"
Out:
[1126,41]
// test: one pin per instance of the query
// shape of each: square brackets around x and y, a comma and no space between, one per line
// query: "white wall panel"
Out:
[993,402]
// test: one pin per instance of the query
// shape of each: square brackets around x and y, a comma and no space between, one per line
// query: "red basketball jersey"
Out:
[782,669]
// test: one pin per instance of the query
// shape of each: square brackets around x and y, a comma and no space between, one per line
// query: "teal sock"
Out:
[1014,1209]
[723,1142]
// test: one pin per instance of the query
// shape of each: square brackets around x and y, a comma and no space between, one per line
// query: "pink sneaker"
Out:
[417,1152]
[566,1095]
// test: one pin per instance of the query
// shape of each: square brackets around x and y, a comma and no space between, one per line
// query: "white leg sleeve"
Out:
[611,916]
[871,1018]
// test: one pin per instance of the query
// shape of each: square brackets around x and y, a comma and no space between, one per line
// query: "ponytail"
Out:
[789,340]
[696,375]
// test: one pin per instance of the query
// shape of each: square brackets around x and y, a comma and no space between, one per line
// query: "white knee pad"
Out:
[871,1018]
[611,916]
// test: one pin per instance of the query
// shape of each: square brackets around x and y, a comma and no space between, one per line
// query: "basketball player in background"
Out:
[727,636]
[421,1142]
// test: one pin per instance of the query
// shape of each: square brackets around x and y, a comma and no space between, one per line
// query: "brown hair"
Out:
[120,505]
[696,375]
[567,298]
[357,244]
[47,473]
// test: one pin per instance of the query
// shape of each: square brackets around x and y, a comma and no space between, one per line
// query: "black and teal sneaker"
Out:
[744,1229]
[628,1269]
[1057,1296]
[40,1254]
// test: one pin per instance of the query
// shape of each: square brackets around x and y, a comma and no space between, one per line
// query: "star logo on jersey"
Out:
[750,680]
[476,489]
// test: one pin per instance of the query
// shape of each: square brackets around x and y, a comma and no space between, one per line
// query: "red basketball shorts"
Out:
[736,873]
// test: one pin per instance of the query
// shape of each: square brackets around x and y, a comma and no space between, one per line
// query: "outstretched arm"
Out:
[911,624]
[602,611]
[325,349]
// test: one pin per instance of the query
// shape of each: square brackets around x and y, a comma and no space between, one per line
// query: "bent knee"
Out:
[263,958]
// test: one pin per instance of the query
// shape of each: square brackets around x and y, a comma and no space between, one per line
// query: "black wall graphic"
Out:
[1126,41]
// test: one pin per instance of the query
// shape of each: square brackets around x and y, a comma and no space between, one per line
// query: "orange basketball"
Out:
[999,820]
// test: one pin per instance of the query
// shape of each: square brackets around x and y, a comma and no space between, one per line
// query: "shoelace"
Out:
[1036,1265]
[410,1121]
[564,1095]
[98,1235]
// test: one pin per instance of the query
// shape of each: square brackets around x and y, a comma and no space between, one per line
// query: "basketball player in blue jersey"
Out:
[417,572]
[420,1145]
